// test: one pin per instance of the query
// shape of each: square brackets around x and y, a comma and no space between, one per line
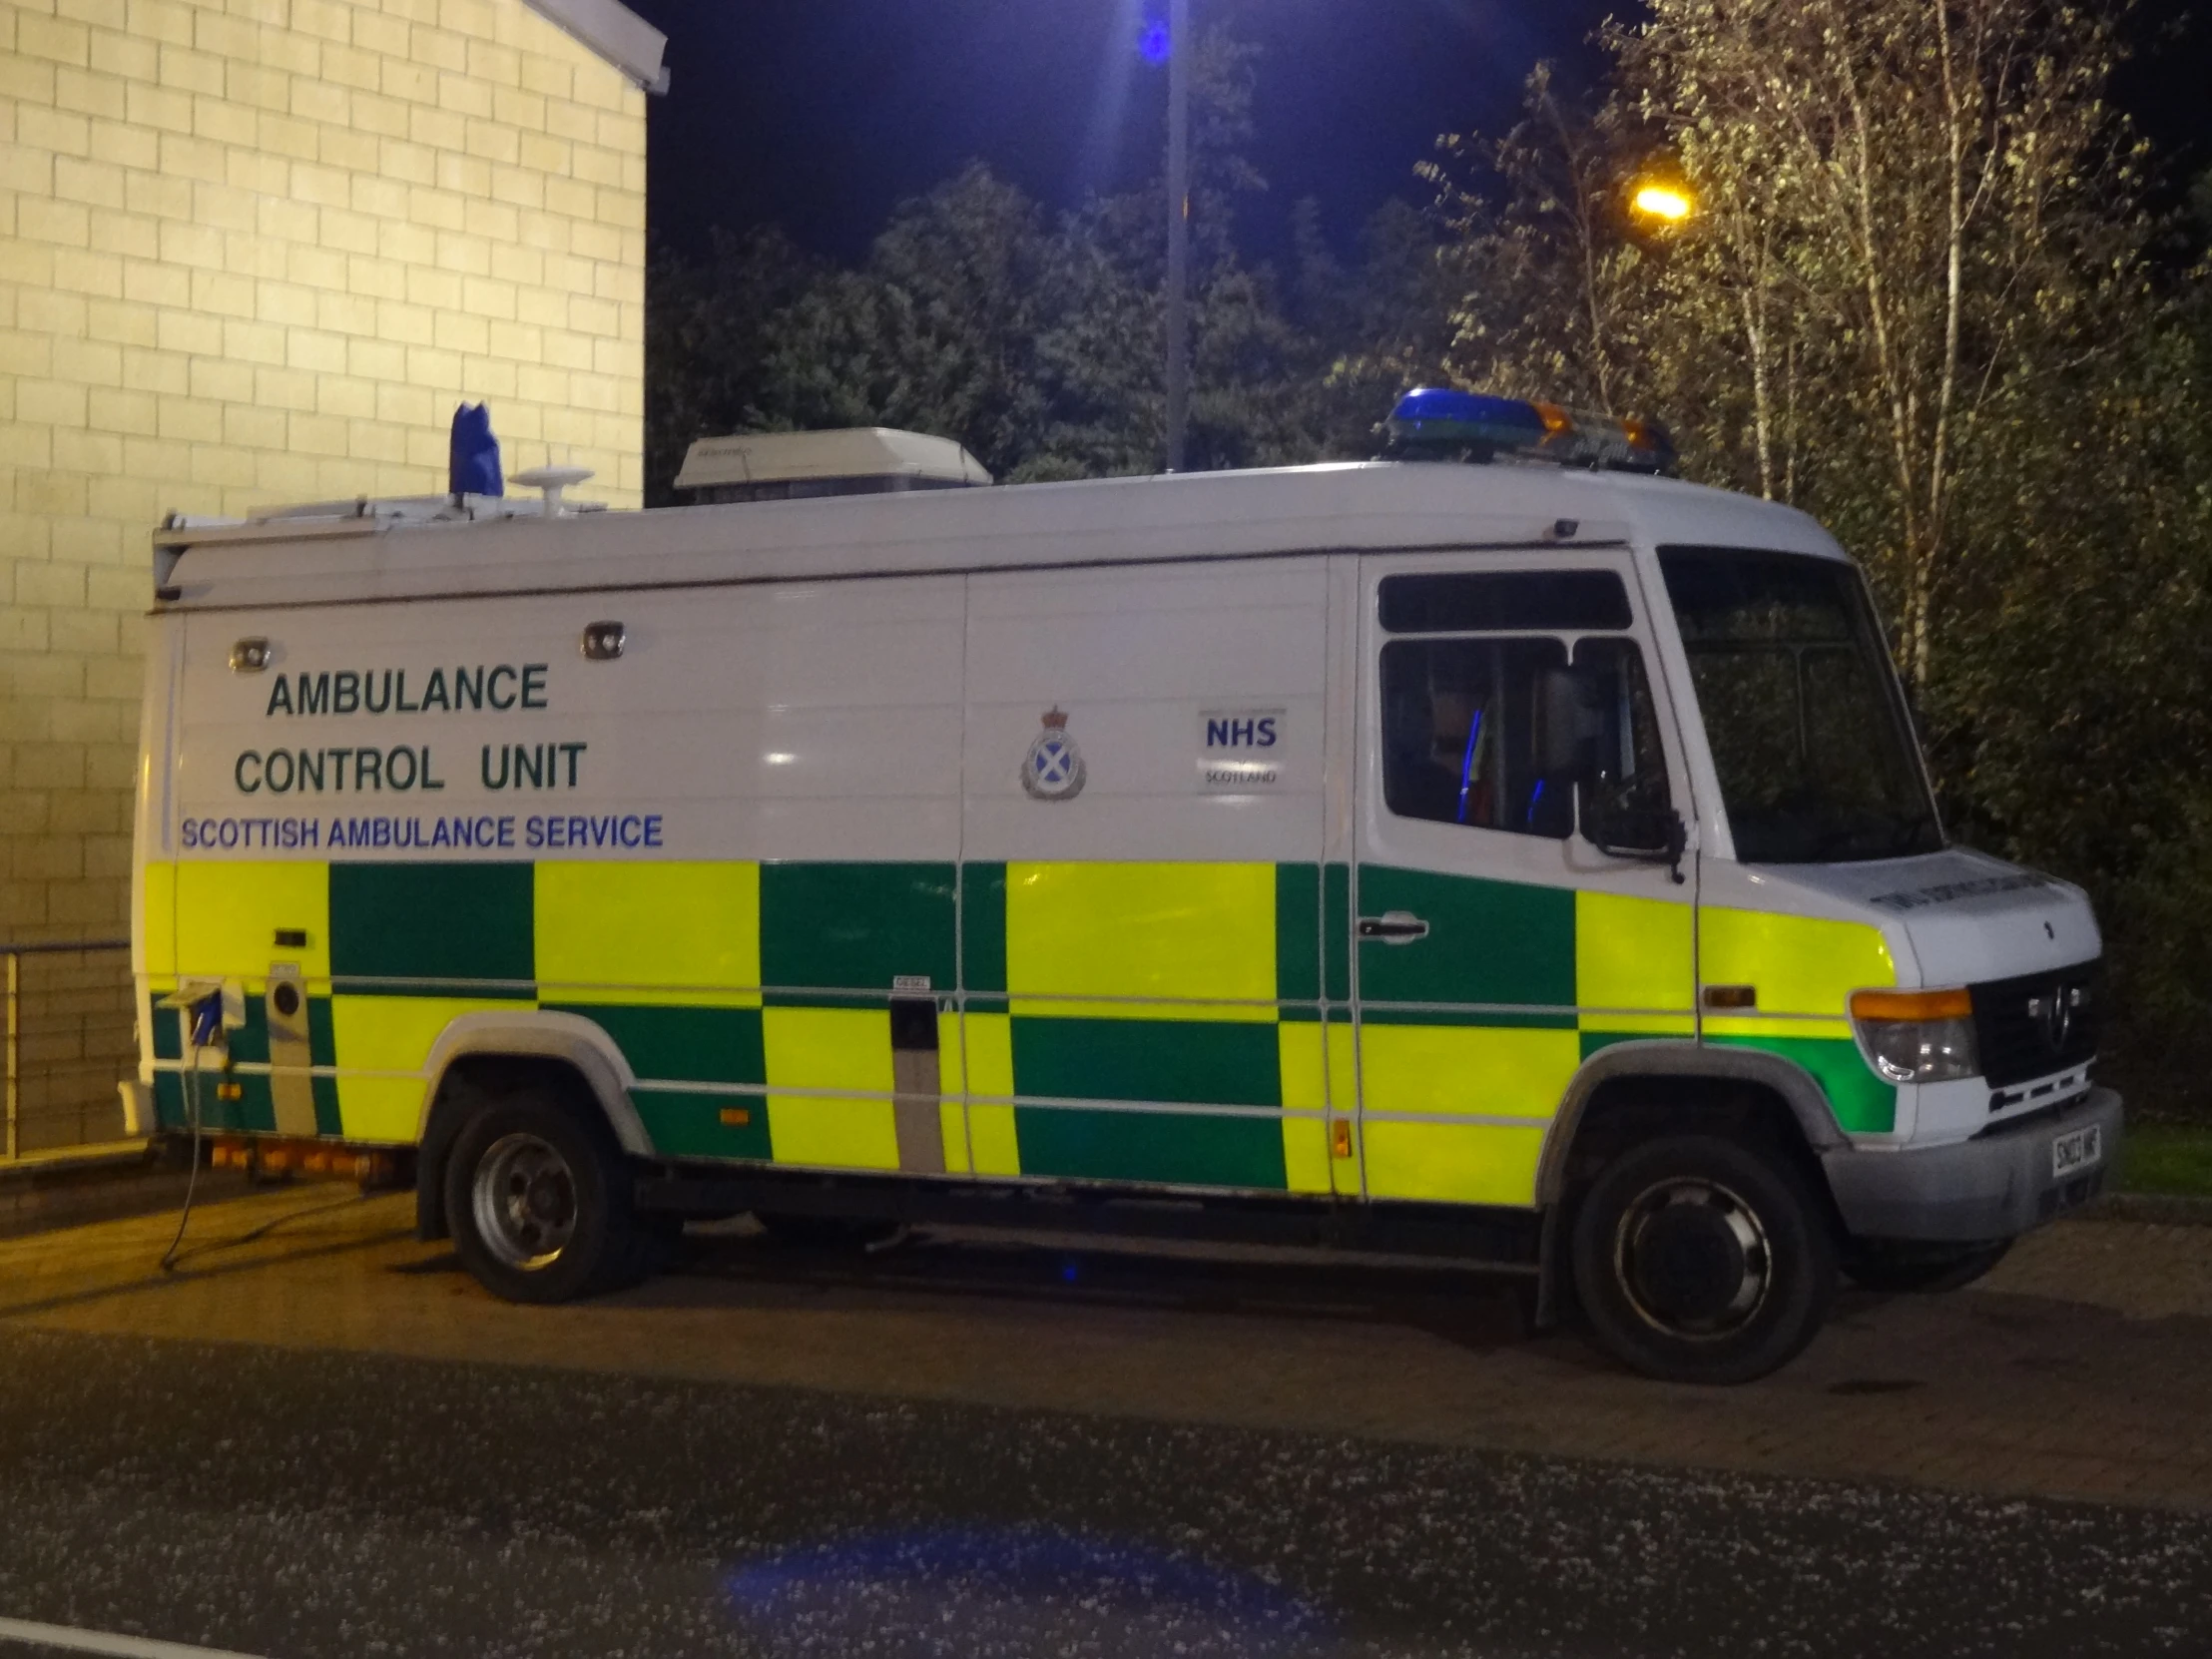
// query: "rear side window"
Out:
[1509,601]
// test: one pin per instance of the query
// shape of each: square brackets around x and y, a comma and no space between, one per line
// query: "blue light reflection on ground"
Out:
[973,1592]
[1155,44]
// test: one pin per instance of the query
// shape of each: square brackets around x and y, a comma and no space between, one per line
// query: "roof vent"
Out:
[795,467]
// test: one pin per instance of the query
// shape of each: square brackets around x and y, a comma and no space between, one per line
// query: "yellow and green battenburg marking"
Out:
[1170,1023]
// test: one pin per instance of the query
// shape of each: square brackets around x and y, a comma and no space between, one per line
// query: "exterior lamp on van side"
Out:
[1918,1036]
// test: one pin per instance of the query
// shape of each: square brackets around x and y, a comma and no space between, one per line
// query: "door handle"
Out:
[1393,927]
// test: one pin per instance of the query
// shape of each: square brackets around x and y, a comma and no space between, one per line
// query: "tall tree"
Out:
[710,325]
[1940,193]
[938,331]
[1040,346]
[1379,328]
[1548,299]
[1914,299]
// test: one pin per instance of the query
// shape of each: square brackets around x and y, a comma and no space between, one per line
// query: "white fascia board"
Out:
[616,33]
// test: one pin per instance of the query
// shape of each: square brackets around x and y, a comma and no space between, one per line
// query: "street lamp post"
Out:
[1179,231]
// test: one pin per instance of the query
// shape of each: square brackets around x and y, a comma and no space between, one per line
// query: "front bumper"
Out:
[1995,1186]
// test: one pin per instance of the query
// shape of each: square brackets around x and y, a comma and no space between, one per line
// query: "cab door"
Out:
[1510,720]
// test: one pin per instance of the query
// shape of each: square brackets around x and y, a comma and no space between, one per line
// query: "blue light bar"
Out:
[1437,424]
[1434,417]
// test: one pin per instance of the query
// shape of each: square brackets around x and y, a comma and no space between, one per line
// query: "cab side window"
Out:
[1507,698]
[1460,737]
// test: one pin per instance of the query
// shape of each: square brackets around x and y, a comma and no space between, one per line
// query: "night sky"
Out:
[822,114]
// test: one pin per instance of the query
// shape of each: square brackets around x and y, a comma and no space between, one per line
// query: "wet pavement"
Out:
[319,1438]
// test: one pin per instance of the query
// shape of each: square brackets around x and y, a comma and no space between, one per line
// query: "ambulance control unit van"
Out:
[1472,855]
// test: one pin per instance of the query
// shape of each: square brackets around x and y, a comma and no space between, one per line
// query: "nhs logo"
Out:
[1238,748]
[1250,729]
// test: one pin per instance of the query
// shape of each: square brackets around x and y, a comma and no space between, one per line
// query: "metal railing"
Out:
[71,1038]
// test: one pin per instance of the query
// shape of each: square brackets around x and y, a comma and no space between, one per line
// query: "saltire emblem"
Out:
[1053,770]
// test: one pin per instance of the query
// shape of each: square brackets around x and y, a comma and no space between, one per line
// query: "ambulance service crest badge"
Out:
[1053,770]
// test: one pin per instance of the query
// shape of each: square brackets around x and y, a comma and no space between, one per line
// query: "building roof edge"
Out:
[616,33]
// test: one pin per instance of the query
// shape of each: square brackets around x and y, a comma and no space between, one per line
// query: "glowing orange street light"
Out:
[1663,201]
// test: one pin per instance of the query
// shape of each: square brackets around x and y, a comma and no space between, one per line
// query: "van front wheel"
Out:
[1699,1260]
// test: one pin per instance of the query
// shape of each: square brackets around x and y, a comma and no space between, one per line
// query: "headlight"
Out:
[1918,1036]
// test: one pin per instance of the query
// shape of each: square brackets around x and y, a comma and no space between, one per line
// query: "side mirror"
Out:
[1648,835]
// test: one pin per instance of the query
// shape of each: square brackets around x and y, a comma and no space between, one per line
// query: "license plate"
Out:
[2073,1153]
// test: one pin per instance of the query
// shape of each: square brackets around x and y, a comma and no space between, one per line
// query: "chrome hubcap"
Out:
[1693,1259]
[525,1202]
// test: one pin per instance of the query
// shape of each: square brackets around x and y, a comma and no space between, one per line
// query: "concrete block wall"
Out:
[255,252]
[74,1042]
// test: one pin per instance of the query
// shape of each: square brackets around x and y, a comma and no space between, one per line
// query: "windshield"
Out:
[1802,708]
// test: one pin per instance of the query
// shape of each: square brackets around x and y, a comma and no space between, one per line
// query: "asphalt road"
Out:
[334,1501]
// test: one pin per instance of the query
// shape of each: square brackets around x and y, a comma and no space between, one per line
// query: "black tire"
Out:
[539,1201]
[1699,1259]
[1919,1270]
[823,1232]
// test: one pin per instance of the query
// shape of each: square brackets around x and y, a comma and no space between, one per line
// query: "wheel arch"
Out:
[1674,1061]
[565,1043]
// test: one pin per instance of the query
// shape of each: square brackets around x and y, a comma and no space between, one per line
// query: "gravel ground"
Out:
[304,1505]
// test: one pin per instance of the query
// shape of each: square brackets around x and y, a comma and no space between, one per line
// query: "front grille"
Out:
[2038,1023]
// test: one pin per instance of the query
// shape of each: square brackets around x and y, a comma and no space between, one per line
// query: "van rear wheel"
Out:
[539,1204]
[1698,1259]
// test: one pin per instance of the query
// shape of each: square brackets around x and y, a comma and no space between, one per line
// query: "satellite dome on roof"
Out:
[787,467]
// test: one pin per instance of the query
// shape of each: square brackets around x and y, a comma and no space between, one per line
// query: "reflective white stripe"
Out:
[97,1641]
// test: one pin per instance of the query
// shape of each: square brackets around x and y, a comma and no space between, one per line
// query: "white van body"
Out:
[1040,839]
